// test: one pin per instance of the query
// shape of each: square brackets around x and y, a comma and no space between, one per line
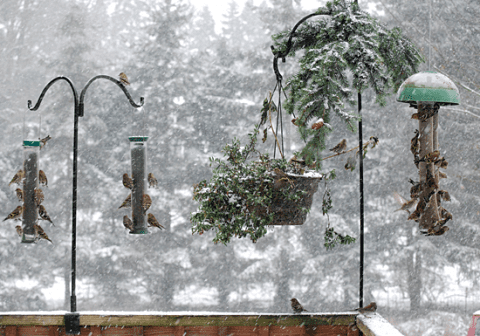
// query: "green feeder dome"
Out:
[428,86]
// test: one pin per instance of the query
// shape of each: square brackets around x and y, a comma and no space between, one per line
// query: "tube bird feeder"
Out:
[31,149]
[426,92]
[138,151]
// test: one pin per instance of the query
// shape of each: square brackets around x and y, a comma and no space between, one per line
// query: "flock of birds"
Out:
[146,202]
[38,198]
[298,308]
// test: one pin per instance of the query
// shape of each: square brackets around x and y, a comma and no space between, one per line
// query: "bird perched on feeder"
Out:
[441,162]
[414,147]
[15,214]
[153,222]
[19,194]
[127,222]
[19,230]
[127,181]
[404,204]
[444,195]
[152,181]
[340,147]
[43,141]
[123,78]
[42,212]
[371,308]
[127,203]
[432,157]
[416,189]
[42,178]
[40,233]
[17,178]
[296,306]
[146,203]
[38,196]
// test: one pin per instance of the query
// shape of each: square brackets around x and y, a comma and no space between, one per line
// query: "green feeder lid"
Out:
[428,86]
[31,143]
[138,138]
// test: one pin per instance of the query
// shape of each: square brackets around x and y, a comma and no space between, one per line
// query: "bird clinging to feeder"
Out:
[42,178]
[15,214]
[43,141]
[42,212]
[427,91]
[127,181]
[17,178]
[127,222]
[127,203]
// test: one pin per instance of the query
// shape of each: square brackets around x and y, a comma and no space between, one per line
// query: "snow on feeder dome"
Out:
[427,91]
[428,86]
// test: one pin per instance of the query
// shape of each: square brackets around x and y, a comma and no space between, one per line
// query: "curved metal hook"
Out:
[116,81]
[39,101]
[289,43]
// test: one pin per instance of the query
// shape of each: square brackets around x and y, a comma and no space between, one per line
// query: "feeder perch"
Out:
[31,149]
[427,91]
[138,151]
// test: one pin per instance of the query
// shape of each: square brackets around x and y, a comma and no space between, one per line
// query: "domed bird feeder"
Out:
[138,152]
[31,151]
[426,92]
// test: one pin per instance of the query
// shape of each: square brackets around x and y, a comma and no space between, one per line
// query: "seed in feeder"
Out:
[127,181]
[15,214]
[153,222]
[152,181]
[19,230]
[40,233]
[44,141]
[42,178]
[38,196]
[19,194]
[127,222]
[340,147]
[414,147]
[17,178]
[146,203]
[127,203]
[43,214]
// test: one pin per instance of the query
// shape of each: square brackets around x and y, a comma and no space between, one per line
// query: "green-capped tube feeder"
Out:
[31,151]
[140,199]
[427,91]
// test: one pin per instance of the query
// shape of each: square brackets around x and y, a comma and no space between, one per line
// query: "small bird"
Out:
[444,195]
[38,196]
[437,230]
[17,178]
[42,212]
[414,147]
[152,181]
[296,306]
[15,214]
[19,194]
[428,112]
[127,222]
[340,147]
[351,163]
[416,189]
[371,308]
[123,78]
[404,204]
[441,174]
[441,162]
[374,141]
[146,203]
[42,178]
[19,230]
[127,181]
[153,222]
[40,233]
[127,203]
[415,216]
[44,141]
[432,157]
[445,214]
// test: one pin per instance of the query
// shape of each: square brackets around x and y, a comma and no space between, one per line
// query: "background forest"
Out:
[202,87]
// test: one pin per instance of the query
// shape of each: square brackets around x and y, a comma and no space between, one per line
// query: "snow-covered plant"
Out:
[236,201]
[345,52]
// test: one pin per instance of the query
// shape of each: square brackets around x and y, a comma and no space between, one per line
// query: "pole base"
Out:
[72,323]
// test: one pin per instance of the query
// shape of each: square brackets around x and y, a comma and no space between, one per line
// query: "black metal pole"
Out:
[360,141]
[72,320]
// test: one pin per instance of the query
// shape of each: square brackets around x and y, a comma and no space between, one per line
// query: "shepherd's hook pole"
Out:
[72,320]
